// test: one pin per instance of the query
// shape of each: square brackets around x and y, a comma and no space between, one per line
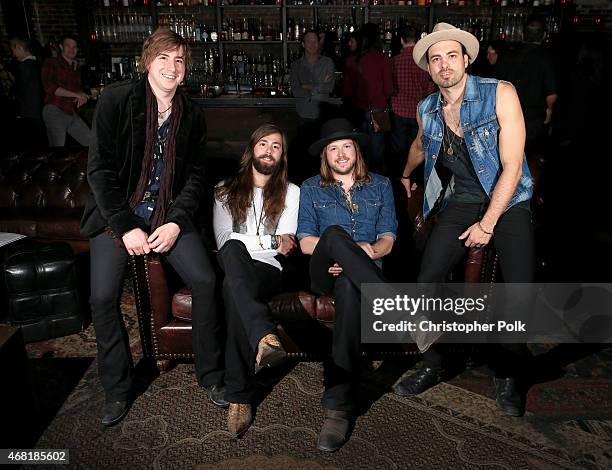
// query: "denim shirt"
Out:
[481,132]
[373,214]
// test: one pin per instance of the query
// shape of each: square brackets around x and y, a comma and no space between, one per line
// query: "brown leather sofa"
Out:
[305,321]
[43,193]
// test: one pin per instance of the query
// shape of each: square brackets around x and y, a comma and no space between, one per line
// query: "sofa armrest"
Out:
[422,227]
[152,299]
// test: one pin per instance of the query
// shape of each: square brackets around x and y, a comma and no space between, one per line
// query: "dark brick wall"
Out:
[52,18]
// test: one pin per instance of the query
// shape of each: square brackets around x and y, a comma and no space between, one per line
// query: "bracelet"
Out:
[405,177]
[480,227]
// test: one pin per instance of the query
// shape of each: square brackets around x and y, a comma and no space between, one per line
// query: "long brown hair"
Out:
[236,193]
[360,172]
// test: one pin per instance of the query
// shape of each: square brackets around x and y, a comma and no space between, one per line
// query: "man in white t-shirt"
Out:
[255,219]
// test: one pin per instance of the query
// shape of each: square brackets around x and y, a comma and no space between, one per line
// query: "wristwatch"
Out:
[274,242]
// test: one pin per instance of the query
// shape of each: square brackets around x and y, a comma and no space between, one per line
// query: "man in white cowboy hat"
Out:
[347,223]
[471,137]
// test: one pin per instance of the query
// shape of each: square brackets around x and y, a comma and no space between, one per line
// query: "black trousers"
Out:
[341,370]
[247,287]
[514,243]
[115,364]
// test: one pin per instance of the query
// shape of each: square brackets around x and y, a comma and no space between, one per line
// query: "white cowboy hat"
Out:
[444,32]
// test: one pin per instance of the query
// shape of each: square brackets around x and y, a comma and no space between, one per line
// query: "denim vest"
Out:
[481,134]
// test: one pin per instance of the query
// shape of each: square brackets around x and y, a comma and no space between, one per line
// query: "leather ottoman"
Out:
[40,284]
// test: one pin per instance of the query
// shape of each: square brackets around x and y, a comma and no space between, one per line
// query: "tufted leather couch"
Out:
[42,195]
[304,321]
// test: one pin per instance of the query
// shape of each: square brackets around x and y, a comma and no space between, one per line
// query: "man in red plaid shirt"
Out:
[410,85]
[63,95]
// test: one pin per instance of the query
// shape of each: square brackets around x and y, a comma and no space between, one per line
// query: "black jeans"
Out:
[374,152]
[513,241]
[115,365]
[341,370]
[403,132]
[247,287]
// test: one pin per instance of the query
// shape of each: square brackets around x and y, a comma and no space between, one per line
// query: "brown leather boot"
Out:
[270,352]
[336,430]
[239,418]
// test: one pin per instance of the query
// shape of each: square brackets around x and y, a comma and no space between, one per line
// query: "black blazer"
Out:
[115,161]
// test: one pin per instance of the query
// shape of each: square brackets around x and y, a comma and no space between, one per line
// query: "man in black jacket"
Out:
[145,170]
[29,95]
[530,68]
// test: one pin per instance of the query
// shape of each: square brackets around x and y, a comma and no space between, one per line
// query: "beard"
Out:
[265,168]
[449,82]
[342,171]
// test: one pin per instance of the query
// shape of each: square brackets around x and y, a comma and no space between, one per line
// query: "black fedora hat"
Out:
[337,129]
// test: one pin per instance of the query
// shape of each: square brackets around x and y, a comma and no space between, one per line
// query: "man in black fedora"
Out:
[347,223]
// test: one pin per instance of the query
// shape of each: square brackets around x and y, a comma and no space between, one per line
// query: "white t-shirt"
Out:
[259,247]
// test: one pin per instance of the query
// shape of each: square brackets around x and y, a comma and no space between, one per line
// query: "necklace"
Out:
[258,221]
[160,114]
[450,140]
[260,243]
[353,206]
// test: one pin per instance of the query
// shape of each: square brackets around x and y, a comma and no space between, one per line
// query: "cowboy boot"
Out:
[239,418]
[270,352]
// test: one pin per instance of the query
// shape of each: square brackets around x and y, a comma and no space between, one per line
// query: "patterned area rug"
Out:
[454,425]
[173,425]
[84,344]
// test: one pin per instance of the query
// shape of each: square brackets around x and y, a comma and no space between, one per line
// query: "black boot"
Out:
[421,380]
[336,430]
[509,396]
[114,412]
[216,394]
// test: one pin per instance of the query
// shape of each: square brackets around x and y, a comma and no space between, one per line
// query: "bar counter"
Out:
[244,101]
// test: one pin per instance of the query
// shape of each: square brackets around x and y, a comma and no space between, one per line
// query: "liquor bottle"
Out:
[224,31]
[205,37]
[290,30]
[297,33]
[237,31]
[388,31]
[260,33]
[269,33]
[245,30]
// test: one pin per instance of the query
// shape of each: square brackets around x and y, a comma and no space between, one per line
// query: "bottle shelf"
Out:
[250,42]
[489,21]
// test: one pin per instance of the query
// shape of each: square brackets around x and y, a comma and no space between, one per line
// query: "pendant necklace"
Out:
[258,222]
[160,114]
[450,140]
